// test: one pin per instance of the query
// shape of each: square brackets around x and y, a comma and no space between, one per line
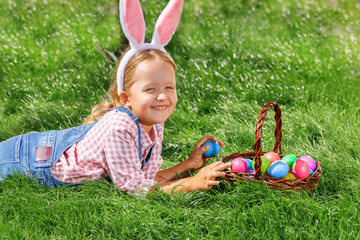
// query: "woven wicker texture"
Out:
[308,183]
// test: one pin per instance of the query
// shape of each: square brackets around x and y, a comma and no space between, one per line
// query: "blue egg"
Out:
[278,169]
[249,162]
[311,172]
[214,149]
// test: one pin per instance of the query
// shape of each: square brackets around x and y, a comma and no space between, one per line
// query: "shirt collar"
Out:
[146,137]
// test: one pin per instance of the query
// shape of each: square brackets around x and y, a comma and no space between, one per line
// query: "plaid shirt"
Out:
[110,148]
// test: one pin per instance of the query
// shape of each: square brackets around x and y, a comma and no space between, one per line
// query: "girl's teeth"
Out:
[159,108]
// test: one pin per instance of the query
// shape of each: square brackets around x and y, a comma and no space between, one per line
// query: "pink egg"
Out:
[301,169]
[239,165]
[272,156]
[310,161]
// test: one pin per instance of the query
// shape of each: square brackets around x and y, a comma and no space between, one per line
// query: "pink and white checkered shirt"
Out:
[110,148]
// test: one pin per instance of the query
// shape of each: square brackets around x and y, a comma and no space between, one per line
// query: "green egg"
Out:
[290,159]
[264,165]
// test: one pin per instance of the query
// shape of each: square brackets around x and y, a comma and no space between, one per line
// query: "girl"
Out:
[121,139]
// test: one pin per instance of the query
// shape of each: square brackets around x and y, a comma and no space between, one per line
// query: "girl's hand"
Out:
[205,178]
[183,169]
[196,158]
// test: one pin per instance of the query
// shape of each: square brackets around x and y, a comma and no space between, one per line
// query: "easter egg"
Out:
[290,159]
[251,172]
[249,163]
[278,169]
[272,156]
[214,149]
[301,169]
[239,165]
[289,176]
[264,165]
[310,161]
[311,172]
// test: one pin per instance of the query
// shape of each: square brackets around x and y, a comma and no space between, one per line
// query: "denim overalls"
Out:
[33,154]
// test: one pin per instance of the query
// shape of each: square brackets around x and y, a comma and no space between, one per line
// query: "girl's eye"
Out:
[149,89]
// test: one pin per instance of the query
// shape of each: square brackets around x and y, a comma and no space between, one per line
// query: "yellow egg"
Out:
[289,176]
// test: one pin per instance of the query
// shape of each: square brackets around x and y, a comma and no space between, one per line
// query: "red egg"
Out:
[310,161]
[301,169]
[239,165]
[272,156]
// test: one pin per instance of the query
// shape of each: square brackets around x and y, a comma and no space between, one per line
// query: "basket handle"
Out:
[258,133]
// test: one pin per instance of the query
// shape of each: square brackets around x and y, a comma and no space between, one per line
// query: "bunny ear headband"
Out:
[133,24]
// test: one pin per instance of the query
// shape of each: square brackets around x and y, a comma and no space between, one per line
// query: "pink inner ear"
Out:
[134,20]
[169,22]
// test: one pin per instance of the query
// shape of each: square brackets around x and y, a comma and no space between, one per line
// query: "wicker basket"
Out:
[308,183]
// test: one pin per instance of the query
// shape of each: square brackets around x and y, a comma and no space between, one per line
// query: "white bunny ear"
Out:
[132,21]
[167,22]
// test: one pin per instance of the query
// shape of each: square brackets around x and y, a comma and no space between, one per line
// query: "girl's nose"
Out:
[162,96]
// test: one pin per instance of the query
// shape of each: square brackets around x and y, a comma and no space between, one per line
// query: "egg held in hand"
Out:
[214,149]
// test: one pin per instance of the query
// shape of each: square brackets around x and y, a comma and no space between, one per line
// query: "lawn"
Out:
[233,57]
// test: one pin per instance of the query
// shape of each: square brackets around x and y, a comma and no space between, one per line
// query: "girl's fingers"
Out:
[217,174]
[220,142]
[205,148]
[204,140]
[212,138]
[208,138]
[213,183]
[221,166]
[214,165]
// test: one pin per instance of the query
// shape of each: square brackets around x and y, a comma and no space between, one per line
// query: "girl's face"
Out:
[152,97]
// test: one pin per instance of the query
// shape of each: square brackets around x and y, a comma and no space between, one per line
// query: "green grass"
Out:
[233,57]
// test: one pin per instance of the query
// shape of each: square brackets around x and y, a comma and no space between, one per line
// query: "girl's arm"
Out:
[203,180]
[195,161]
[180,170]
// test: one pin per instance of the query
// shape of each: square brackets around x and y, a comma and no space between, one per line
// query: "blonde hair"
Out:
[114,99]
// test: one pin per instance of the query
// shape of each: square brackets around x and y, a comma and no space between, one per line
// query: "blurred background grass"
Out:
[232,57]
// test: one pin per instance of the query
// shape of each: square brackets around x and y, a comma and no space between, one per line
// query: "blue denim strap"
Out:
[148,156]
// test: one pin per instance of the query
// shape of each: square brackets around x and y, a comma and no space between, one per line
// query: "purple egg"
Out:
[310,161]
[252,172]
